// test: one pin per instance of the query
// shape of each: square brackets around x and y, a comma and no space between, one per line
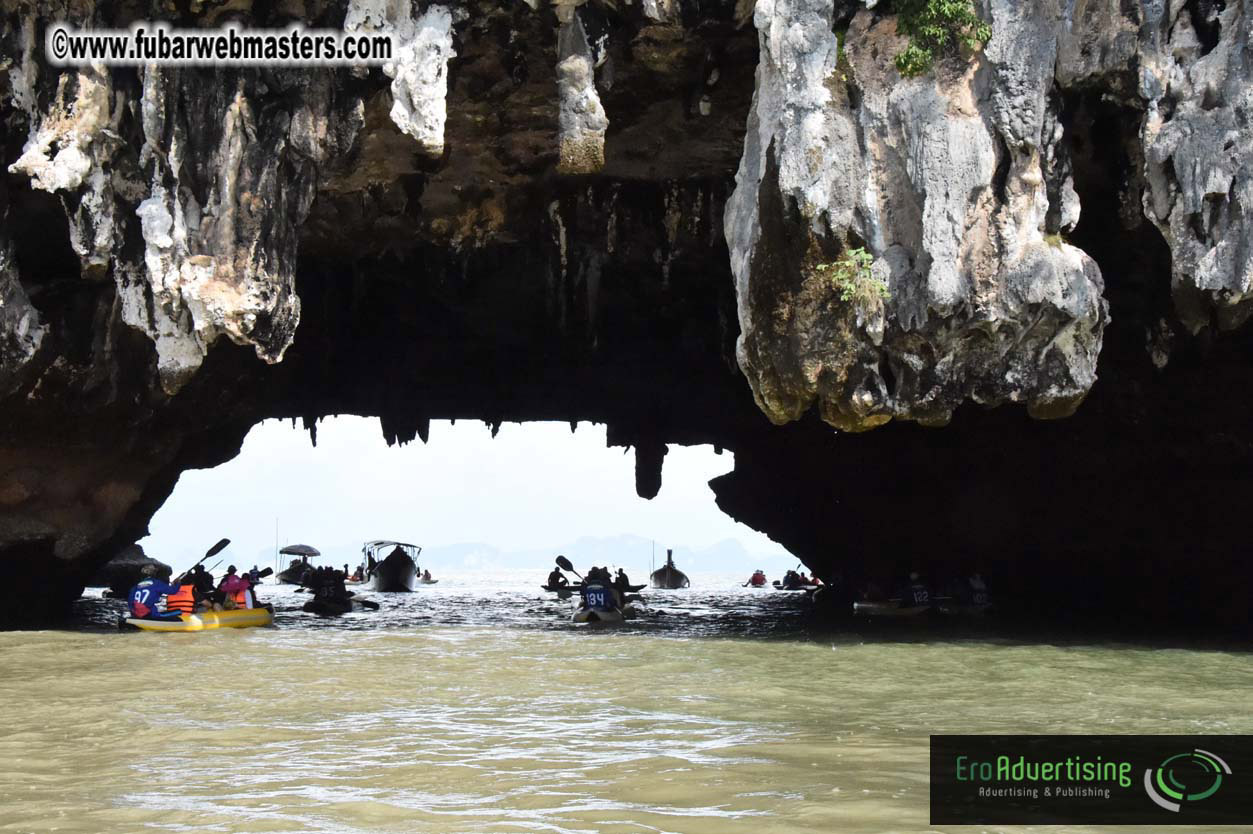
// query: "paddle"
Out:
[213,551]
[564,564]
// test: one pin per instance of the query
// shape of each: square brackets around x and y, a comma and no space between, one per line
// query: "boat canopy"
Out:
[300,550]
[374,547]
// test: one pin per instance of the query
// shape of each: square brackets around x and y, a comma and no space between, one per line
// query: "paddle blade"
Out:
[217,548]
[369,606]
[564,563]
[263,574]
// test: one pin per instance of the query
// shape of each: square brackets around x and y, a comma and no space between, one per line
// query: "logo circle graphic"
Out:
[1185,777]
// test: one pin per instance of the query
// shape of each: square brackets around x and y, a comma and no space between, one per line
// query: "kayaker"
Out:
[203,580]
[142,599]
[758,579]
[916,593]
[236,589]
[426,575]
[557,579]
[328,584]
[182,600]
[978,590]
[621,581]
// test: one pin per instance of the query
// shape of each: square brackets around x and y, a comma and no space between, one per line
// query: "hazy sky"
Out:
[535,485]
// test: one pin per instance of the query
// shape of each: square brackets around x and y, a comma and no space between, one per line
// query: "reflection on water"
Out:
[475,706]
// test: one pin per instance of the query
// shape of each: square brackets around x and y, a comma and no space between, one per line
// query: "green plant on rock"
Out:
[852,276]
[936,28]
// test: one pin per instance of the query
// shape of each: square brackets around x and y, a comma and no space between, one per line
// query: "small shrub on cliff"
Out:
[936,28]
[851,276]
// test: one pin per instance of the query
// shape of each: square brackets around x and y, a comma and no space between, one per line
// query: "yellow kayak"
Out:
[206,620]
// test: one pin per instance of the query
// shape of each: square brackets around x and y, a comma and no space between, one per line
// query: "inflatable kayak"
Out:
[603,616]
[779,586]
[335,606]
[327,607]
[205,621]
[965,609]
[888,609]
[598,605]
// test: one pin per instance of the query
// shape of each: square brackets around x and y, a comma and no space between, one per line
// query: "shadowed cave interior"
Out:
[617,305]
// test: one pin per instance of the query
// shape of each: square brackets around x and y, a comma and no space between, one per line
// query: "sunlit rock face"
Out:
[1198,132]
[956,183]
[960,185]
[618,212]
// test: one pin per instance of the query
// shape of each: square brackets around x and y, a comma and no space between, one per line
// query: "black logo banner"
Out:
[1079,780]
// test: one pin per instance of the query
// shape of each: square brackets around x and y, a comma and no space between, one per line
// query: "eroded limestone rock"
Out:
[581,118]
[1198,136]
[419,72]
[944,180]
[21,330]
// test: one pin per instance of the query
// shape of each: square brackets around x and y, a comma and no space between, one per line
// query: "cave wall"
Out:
[618,213]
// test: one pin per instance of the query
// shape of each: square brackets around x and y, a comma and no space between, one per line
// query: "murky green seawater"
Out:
[690,722]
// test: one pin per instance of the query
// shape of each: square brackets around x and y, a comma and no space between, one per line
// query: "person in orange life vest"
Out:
[236,588]
[184,599]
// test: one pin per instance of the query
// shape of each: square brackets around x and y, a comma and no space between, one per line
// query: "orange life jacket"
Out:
[183,600]
[241,598]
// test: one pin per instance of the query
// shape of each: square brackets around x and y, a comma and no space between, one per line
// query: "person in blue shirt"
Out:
[916,594]
[143,598]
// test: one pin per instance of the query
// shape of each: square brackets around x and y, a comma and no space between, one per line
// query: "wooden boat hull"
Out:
[206,621]
[395,574]
[291,576]
[669,579]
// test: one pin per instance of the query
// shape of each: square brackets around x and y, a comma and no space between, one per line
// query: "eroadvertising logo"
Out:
[1193,776]
[1078,780]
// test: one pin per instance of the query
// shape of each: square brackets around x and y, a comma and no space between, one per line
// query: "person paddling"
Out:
[236,589]
[142,599]
[182,600]
[916,594]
